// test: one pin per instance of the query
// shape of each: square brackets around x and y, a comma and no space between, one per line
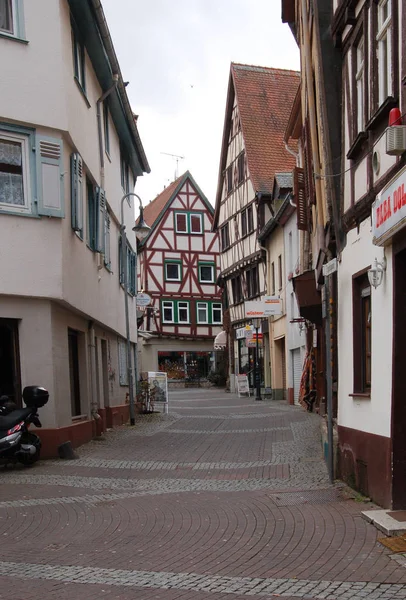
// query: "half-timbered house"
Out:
[178,266]
[372,268]
[257,111]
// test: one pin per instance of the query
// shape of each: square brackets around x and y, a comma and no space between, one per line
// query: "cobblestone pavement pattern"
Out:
[222,498]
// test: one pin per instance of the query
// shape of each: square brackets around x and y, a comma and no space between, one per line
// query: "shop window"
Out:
[362,334]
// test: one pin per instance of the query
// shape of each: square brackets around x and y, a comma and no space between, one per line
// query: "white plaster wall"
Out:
[32,75]
[35,340]
[374,415]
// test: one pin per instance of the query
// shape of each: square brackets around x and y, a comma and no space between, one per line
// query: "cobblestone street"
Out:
[222,498]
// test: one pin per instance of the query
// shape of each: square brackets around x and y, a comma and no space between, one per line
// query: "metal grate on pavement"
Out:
[305,497]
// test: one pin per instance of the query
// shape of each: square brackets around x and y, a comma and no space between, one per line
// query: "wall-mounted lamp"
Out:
[375,273]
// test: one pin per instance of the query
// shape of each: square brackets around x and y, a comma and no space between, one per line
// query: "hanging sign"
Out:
[252,342]
[143,299]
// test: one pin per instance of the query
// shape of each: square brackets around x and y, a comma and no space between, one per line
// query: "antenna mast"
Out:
[177,158]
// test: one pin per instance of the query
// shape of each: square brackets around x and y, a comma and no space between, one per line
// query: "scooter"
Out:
[17,443]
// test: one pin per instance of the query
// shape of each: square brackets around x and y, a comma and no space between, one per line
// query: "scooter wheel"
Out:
[29,459]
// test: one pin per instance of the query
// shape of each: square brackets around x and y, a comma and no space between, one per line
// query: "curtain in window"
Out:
[11,179]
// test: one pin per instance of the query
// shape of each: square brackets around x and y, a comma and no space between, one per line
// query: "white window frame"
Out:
[202,306]
[216,306]
[12,9]
[176,222]
[200,217]
[165,305]
[23,140]
[359,79]
[207,265]
[384,39]
[178,264]
[179,308]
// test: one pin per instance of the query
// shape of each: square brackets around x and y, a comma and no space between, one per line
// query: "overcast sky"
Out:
[176,55]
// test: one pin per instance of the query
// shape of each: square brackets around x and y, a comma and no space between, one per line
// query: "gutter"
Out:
[115,67]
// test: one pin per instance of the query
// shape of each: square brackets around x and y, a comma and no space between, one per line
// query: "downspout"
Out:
[313,126]
[99,126]
[292,152]
[94,404]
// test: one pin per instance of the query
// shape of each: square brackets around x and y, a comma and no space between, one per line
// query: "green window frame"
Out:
[180,312]
[188,222]
[172,262]
[201,265]
[213,312]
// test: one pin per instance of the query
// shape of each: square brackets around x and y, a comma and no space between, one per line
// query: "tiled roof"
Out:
[153,210]
[264,99]
[284,180]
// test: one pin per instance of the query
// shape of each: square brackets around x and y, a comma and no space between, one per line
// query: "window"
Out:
[6,16]
[12,18]
[175,311]
[384,41]
[241,167]
[189,222]
[250,219]
[217,313]
[273,278]
[202,310]
[360,82]
[173,270]
[30,183]
[280,271]
[14,182]
[122,361]
[252,280]
[236,289]
[209,313]
[131,259]
[244,229]
[362,334]
[91,216]
[206,272]
[78,59]
[225,237]
[125,174]
[106,126]
[229,179]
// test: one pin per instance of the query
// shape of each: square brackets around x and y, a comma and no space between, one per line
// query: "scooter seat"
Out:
[15,417]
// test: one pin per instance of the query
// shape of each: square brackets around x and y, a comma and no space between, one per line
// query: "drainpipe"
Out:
[99,126]
[292,152]
[313,126]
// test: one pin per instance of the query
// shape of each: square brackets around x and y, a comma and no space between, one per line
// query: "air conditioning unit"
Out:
[396,140]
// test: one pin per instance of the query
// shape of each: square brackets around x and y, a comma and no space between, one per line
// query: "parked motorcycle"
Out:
[17,443]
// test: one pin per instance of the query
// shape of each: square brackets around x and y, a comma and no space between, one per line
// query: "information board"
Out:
[243,385]
[158,389]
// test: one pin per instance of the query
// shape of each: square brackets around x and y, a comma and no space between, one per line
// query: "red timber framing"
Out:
[178,264]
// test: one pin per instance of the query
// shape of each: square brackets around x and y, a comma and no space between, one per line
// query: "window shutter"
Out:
[300,198]
[50,180]
[100,222]
[107,256]
[77,192]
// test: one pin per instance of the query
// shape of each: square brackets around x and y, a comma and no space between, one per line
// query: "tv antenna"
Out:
[177,158]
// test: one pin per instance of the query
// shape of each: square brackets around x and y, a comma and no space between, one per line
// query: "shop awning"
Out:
[308,297]
[220,341]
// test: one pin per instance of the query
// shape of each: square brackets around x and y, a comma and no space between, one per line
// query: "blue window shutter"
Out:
[50,176]
[100,220]
[77,192]
[107,258]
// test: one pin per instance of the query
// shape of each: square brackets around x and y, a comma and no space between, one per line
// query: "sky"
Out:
[176,55]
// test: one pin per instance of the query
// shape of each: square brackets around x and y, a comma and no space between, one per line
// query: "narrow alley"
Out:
[225,497]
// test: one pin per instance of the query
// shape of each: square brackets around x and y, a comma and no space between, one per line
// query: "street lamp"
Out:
[257,371]
[141,231]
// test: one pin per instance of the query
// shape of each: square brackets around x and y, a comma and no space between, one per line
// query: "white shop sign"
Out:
[267,307]
[389,210]
[246,332]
